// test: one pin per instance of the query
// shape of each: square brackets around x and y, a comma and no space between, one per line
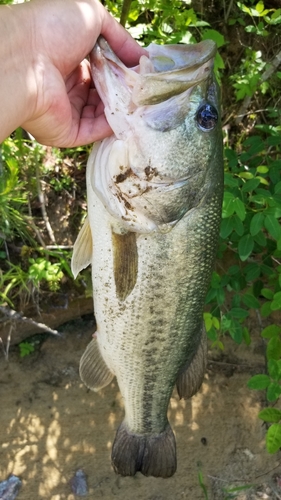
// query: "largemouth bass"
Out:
[154,192]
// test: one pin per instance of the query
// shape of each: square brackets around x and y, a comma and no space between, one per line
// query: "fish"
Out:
[154,195]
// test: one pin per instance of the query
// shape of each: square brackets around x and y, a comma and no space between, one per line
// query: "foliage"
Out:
[271,382]
[26,348]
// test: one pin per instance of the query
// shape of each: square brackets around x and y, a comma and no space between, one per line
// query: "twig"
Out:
[59,247]
[34,227]
[222,480]
[125,11]
[229,364]
[15,316]
[43,206]
[6,349]
[264,76]
[228,11]
[267,472]
[275,493]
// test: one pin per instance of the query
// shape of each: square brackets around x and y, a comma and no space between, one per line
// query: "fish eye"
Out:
[207,117]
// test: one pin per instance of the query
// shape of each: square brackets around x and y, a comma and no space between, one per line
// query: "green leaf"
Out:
[250,301]
[276,302]
[273,350]
[273,438]
[216,322]
[220,295]
[270,331]
[232,160]
[268,271]
[245,246]
[208,321]
[236,331]
[252,271]
[239,208]
[228,205]
[246,175]
[262,169]
[274,369]
[266,309]
[273,391]
[238,312]
[256,223]
[212,334]
[267,293]
[226,227]
[270,415]
[250,185]
[259,382]
[237,225]
[260,239]
[273,227]
[215,36]
[233,270]
[246,336]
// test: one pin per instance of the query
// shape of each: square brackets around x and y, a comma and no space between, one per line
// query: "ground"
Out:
[51,426]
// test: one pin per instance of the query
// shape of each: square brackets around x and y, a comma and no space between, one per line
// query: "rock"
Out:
[79,483]
[9,489]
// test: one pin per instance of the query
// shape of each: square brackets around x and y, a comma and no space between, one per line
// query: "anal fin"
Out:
[93,370]
[82,249]
[190,379]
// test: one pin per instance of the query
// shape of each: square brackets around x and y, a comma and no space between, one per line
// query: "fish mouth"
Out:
[167,71]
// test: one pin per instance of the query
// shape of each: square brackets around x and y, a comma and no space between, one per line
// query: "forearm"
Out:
[17,82]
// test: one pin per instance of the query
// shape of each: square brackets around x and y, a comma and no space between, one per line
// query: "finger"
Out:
[124,46]
[92,130]
[93,111]
[93,97]
[81,75]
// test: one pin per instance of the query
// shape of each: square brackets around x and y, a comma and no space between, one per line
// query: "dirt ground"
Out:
[51,426]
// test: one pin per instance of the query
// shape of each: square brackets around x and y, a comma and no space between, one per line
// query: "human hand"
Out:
[62,106]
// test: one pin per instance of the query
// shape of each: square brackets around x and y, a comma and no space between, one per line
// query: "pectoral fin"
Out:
[93,370]
[190,380]
[82,249]
[125,263]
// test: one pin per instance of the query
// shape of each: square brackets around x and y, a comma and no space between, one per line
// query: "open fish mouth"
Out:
[166,72]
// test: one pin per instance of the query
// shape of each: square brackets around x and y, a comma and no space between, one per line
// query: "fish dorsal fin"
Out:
[93,370]
[82,249]
[190,380]
[125,263]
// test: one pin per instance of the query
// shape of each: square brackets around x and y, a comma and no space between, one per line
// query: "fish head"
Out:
[166,122]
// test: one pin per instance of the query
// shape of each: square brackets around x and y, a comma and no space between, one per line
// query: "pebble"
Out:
[9,489]
[78,483]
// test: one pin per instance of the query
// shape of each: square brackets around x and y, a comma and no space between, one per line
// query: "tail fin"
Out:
[152,455]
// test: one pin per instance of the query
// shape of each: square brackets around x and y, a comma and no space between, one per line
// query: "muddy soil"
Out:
[51,426]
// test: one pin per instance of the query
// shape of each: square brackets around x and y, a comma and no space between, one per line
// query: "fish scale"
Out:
[154,202]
